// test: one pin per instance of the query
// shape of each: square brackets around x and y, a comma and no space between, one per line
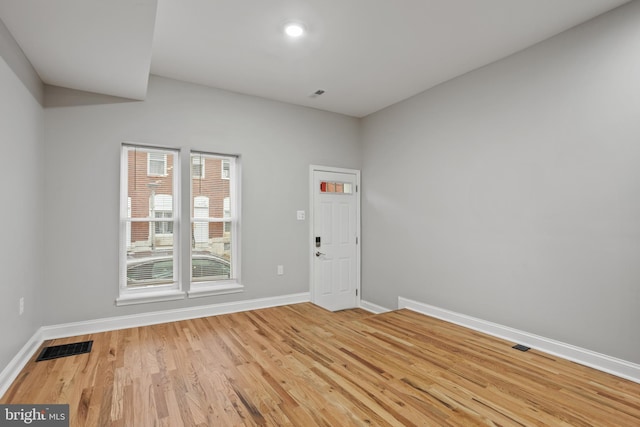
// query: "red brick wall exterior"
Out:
[211,186]
[216,189]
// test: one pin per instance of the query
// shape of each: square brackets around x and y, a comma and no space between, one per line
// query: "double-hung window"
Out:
[149,225]
[152,260]
[214,225]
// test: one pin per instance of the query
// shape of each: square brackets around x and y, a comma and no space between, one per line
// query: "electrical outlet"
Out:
[280,270]
[21,305]
[300,215]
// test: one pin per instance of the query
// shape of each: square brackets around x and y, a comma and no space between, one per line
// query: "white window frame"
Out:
[233,285]
[164,167]
[201,164]
[152,293]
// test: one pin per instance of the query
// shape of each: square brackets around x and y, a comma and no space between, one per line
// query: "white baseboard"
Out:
[155,317]
[373,308]
[601,362]
[11,371]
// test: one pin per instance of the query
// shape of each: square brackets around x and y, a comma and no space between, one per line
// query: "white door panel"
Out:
[335,221]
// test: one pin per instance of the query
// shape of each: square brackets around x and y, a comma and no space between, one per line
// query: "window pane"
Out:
[336,187]
[213,238]
[149,243]
[205,267]
[149,237]
[149,267]
[213,216]
[208,193]
[149,224]
[210,259]
[149,193]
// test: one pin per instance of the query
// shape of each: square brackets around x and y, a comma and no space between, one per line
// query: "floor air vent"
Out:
[521,347]
[64,350]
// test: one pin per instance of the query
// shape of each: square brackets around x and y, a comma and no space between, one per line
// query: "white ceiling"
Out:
[101,46]
[366,54]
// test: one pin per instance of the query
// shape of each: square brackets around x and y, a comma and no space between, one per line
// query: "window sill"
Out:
[151,296]
[210,289]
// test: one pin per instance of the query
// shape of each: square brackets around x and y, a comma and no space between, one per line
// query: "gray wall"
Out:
[21,187]
[512,193]
[18,62]
[277,143]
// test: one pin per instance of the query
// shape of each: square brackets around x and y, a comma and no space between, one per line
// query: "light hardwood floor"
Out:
[299,365]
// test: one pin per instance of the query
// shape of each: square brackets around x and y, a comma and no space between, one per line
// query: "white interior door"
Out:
[335,229]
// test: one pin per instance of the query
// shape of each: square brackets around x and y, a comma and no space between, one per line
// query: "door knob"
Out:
[318,253]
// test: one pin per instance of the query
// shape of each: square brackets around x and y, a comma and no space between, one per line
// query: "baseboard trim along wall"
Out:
[601,362]
[373,308]
[12,370]
[153,318]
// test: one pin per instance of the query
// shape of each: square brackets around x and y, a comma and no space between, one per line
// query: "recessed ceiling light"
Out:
[294,30]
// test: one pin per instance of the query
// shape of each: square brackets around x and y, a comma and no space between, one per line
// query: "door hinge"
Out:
[356,240]
[356,292]
[356,188]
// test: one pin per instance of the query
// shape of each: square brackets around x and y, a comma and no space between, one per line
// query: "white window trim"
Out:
[222,287]
[149,173]
[232,287]
[152,293]
[141,296]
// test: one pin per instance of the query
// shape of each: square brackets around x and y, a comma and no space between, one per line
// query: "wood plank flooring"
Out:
[299,365]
